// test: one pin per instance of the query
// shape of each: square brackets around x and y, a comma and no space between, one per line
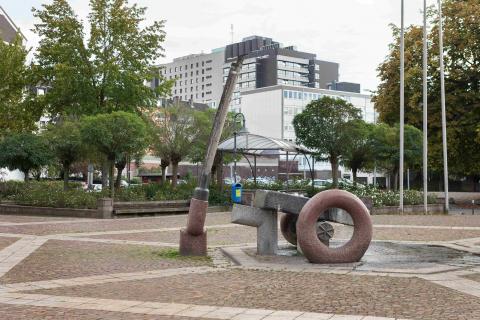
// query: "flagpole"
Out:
[442,96]
[425,104]
[402,100]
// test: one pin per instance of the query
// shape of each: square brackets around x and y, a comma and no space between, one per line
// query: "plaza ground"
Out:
[64,268]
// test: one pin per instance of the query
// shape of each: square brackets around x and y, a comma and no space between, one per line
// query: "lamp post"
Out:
[243,130]
[402,100]
[442,96]
[425,110]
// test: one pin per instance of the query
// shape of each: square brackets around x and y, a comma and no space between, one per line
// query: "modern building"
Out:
[201,77]
[8,29]
[270,111]
[198,77]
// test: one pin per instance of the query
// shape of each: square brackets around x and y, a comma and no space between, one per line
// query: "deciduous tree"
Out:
[322,127]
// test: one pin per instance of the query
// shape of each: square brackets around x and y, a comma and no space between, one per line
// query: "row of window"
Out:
[185,82]
[245,67]
[180,68]
[289,64]
[292,74]
[181,90]
[293,83]
[297,95]
[197,95]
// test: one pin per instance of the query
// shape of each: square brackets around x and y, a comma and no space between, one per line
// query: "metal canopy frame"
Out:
[248,144]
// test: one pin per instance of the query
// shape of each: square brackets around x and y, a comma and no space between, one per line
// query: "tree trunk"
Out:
[334,163]
[111,176]
[174,173]
[66,174]
[395,181]
[105,169]
[354,174]
[120,165]
[26,173]
[164,164]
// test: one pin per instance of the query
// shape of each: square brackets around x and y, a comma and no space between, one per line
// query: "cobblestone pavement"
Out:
[64,268]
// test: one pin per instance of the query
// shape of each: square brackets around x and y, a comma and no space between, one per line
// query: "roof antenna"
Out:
[231,31]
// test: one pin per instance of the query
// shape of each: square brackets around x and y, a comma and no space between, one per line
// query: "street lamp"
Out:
[243,130]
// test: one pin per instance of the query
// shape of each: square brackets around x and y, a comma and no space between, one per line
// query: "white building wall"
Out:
[262,113]
[270,112]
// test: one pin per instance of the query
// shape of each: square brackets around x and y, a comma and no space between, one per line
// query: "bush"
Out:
[10,188]
[51,194]
[381,198]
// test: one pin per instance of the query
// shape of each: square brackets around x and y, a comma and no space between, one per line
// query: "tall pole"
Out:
[442,95]
[402,100]
[425,104]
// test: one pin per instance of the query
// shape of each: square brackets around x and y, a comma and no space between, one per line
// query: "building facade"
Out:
[198,77]
[201,77]
[270,111]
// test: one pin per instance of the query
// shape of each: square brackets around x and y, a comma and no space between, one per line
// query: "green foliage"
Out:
[17,114]
[359,152]
[51,194]
[104,71]
[382,198]
[25,152]
[462,84]
[322,127]
[115,135]
[65,141]
[178,130]
[174,254]
[386,146]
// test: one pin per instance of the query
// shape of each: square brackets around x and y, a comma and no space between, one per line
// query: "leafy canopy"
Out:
[103,72]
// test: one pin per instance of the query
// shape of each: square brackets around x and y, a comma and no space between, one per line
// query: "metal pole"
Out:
[402,99]
[235,157]
[287,170]
[408,179]
[442,95]
[425,110]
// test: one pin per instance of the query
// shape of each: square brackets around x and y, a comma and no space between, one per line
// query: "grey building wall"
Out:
[328,73]
[199,77]
[344,86]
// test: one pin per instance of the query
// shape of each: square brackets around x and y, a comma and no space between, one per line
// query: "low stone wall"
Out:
[415,209]
[106,209]
[13,209]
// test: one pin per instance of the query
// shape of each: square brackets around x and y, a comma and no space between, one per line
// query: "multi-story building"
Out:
[267,63]
[8,29]
[201,77]
[198,77]
[269,111]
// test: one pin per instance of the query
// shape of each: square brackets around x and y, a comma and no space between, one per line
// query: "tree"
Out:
[462,83]
[386,146]
[115,135]
[103,72]
[321,127]
[65,141]
[178,131]
[359,151]
[17,114]
[25,152]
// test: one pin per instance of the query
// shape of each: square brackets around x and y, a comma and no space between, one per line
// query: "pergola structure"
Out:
[248,144]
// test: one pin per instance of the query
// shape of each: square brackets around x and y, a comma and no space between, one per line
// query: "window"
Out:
[209,92]
[186,66]
[208,69]
[180,68]
[203,63]
[285,94]
[175,69]
[191,66]
[197,64]
[208,61]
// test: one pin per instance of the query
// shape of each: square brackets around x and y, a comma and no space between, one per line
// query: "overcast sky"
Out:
[354,33]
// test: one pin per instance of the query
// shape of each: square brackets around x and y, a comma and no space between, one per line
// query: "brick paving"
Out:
[425,220]
[115,224]
[216,236]
[110,259]
[15,312]
[474,277]
[68,259]
[340,294]
[6,241]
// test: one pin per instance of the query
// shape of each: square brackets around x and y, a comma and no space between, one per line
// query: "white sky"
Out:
[354,33]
